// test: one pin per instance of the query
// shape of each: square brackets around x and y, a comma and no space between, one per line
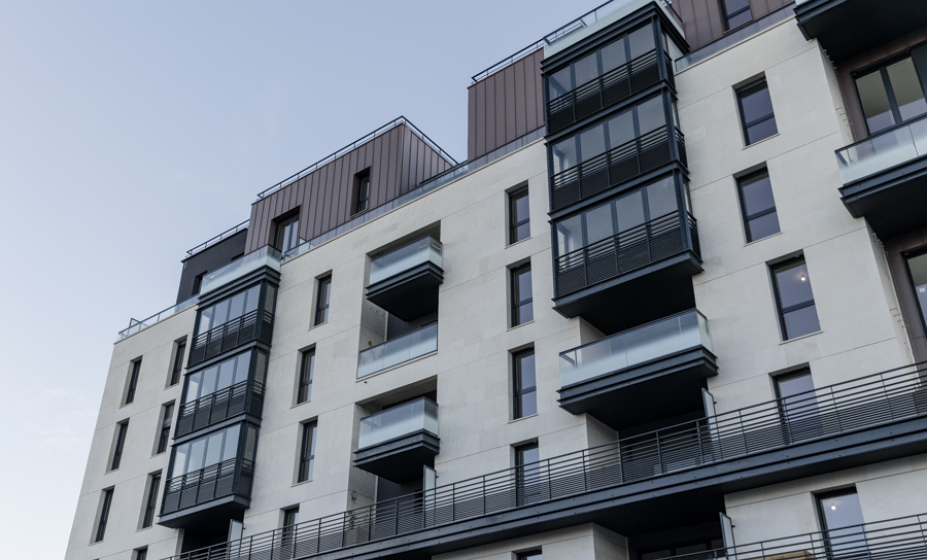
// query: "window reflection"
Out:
[205,451]
[229,309]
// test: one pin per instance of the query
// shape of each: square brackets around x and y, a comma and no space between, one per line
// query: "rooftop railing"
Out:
[135,325]
[398,421]
[219,238]
[357,143]
[267,255]
[397,351]
[884,150]
[420,251]
[862,403]
[639,345]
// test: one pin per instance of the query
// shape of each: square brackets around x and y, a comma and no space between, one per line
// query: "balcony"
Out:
[849,27]
[255,325]
[407,347]
[405,281]
[631,485]
[885,178]
[241,398]
[607,90]
[618,165]
[646,269]
[215,491]
[255,260]
[641,375]
[397,442]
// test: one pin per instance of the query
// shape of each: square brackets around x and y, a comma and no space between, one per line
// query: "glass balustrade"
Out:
[407,347]
[399,421]
[883,151]
[406,257]
[635,346]
[265,256]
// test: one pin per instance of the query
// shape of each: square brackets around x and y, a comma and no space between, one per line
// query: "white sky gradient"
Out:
[131,131]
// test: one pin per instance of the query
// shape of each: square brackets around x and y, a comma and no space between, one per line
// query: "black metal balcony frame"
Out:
[254,325]
[825,413]
[632,159]
[607,90]
[240,398]
[231,477]
[632,249]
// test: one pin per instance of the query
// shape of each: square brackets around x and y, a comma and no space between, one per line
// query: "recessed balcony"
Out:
[405,281]
[412,345]
[640,375]
[885,178]
[397,442]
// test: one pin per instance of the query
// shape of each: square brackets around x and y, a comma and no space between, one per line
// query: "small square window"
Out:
[756,112]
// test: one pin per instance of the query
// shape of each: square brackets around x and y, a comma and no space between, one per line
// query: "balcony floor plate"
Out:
[400,460]
[206,515]
[411,294]
[894,201]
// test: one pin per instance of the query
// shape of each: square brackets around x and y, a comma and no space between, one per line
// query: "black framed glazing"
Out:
[522,295]
[104,515]
[306,366]
[165,432]
[519,216]
[527,474]
[880,86]
[530,555]
[133,380]
[286,235]
[524,381]
[757,205]
[288,531]
[141,554]
[307,452]
[736,13]
[323,299]
[756,112]
[841,519]
[362,200]
[151,500]
[794,298]
[122,429]
[178,361]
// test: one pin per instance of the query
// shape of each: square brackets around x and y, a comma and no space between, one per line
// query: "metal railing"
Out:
[897,145]
[420,251]
[246,396]
[902,538]
[357,143]
[627,251]
[408,418]
[219,238]
[135,325]
[232,476]
[402,349]
[619,164]
[605,90]
[268,255]
[231,335]
[853,405]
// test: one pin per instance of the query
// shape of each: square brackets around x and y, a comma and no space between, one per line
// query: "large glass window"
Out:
[306,366]
[891,95]
[798,314]
[756,112]
[917,265]
[287,233]
[759,209]
[519,216]
[841,516]
[307,452]
[525,384]
[206,451]
[229,309]
[522,295]
[216,377]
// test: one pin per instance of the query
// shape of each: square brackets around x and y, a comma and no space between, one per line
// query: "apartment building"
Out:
[673,305]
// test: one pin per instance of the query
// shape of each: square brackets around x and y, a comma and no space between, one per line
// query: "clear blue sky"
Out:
[132,131]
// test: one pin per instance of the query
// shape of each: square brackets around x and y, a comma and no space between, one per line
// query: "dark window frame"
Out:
[180,348]
[882,69]
[151,500]
[307,451]
[822,515]
[747,218]
[281,223]
[907,256]
[103,519]
[522,471]
[197,283]
[306,368]
[140,553]
[744,125]
[777,296]
[514,222]
[324,287]
[518,390]
[726,17]
[164,433]
[517,304]
[132,386]
[362,191]
[119,448]
[530,554]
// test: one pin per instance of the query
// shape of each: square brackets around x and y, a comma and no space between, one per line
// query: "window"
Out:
[287,234]
[307,452]
[323,299]
[527,474]
[197,283]
[917,267]
[121,429]
[519,218]
[151,500]
[211,449]
[798,406]
[756,112]
[798,315]
[164,434]
[177,368]
[525,384]
[231,308]
[841,517]
[140,554]
[362,188]
[891,95]
[218,377]
[307,364]
[531,555]
[522,309]
[107,502]
[134,369]
[288,533]
[736,13]
[759,209]
[291,516]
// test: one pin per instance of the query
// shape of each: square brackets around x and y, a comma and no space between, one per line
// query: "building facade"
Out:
[673,305]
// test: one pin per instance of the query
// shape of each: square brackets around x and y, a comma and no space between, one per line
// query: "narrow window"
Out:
[362,188]
[917,267]
[525,388]
[756,112]
[197,284]
[323,299]
[798,315]
[288,533]
[759,209]
[522,310]
[121,429]
[177,368]
[151,500]
[842,517]
[798,405]
[291,516]
[519,219]
[104,515]
[164,434]
[736,13]
[527,474]
[891,95]
[140,554]
[307,452]
[307,364]
[133,380]
[286,234]
[531,555]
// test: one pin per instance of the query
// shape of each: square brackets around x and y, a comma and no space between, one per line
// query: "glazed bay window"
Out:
[524,384]
[323,299]
[306,365]
[522,295]
[756,112]
[519,216]
[233,322]
[757,204]
[307,451]
[892,94]
[798,315]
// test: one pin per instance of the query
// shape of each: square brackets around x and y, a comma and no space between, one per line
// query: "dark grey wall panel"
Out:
[210,259]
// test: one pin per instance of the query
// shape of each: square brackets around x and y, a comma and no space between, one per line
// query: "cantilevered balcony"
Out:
[220,488]
[412,345]
[885,178]
[397,442]
[405,281]
[255,325]
[640,375]
[633,485]
[849,27]
[246,397]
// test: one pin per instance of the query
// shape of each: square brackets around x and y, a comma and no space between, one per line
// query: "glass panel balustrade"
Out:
[394,352]
[635,346]
[399,421]
[406,257]
[265,256]
[883,151]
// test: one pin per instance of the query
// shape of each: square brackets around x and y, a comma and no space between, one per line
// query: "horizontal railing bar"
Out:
[212,241]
